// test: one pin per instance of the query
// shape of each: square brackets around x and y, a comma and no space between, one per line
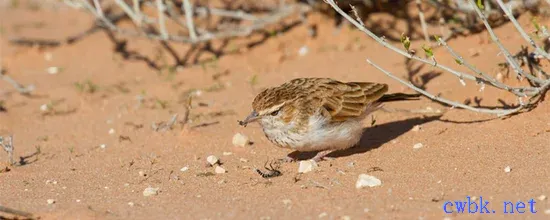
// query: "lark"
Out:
[320,115]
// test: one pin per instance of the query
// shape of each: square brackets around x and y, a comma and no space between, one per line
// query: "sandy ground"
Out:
[68,153]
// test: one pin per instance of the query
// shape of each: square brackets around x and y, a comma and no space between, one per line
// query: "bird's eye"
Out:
[275,113]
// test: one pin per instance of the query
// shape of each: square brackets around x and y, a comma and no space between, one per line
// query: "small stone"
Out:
[499,77]
[507,169]
[44,107]
[416,128]
[307,166]
[541,198]
[212,160]
[130,203]
[287,201]
[150,191]
[345,217]
[323,214]
[111,131]
[141,173]
[351,164]
[183,169]
[303,51]
[126,184]
[243,160]
[219,170]
[78,200]
[365,180]
[50,201]
[222,182]
[53,70]
[240,140]
[418,146]
[547,211]
[102,146]
[227,153]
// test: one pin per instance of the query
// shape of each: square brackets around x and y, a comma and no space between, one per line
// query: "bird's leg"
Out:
[287,159]
[322,155]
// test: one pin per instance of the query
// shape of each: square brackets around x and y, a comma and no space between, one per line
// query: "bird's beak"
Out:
[250,118]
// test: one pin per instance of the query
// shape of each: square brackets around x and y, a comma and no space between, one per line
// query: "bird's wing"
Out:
[347,100]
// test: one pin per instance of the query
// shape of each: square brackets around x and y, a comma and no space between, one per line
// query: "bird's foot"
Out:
[287,159]
[322,155]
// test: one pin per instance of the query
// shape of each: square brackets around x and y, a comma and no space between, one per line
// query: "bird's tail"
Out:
[399,97]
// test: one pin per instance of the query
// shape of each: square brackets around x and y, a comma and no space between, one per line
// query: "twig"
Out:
[98,8]
[137,10]
[23,90]
[188,9]
[162,23]
[498,112]
[422,20]
[8,147]
[129,12]
[397,50]
[204,11]
[519,71]
[521,31]
[15,212]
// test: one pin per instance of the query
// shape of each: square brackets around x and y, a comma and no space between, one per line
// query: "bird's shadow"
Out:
[373,137]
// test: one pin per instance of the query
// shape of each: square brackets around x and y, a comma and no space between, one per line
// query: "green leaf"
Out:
[428,50]
[536,24]
[437,38]
[480,4]
[406,41]
[459,62]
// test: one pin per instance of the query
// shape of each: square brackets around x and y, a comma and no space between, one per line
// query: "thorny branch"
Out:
[191,14]
[539,86]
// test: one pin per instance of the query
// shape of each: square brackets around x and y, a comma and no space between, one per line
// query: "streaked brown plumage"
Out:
[318,114]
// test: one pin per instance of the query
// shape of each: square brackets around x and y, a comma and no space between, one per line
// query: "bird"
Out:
[320,115]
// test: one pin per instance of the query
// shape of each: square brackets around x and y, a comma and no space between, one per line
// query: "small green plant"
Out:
[86,87]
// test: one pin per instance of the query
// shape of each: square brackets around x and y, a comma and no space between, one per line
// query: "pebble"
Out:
[102,146]
[44,107]
[541,198]
[416,128]
[365,180]
[50,201]
[507,169]
[212,160]
[418,146]
[78,200]
[243,160]
[287,201]
[131,204]
[240,140]
[219,170]
[227,153]
[141,173]
[53,70]
[111,131]
[345,217]
[150,191]
[303,51]
[547,211]
[307,166]
[323,214]
[183,169]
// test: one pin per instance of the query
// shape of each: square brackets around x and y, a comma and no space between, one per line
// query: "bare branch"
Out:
[188,9]
[162,23]
[422,20]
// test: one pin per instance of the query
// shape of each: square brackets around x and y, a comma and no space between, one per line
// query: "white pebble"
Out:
[141,173]
[102,146]
[307,166]
[50,201]
[547,211]
[227,153]
[183,169]
[243,160]
[345,217]
[365,180]
[240,140]
[219,170]
[418,146]
[150,191]
[303,51]
[416,128]
[44,107]
[78,200]
[507,169]
[212,160]
[111,131]
[541,198]
[53,70]
[131,204]
[322,215]
[287,201]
